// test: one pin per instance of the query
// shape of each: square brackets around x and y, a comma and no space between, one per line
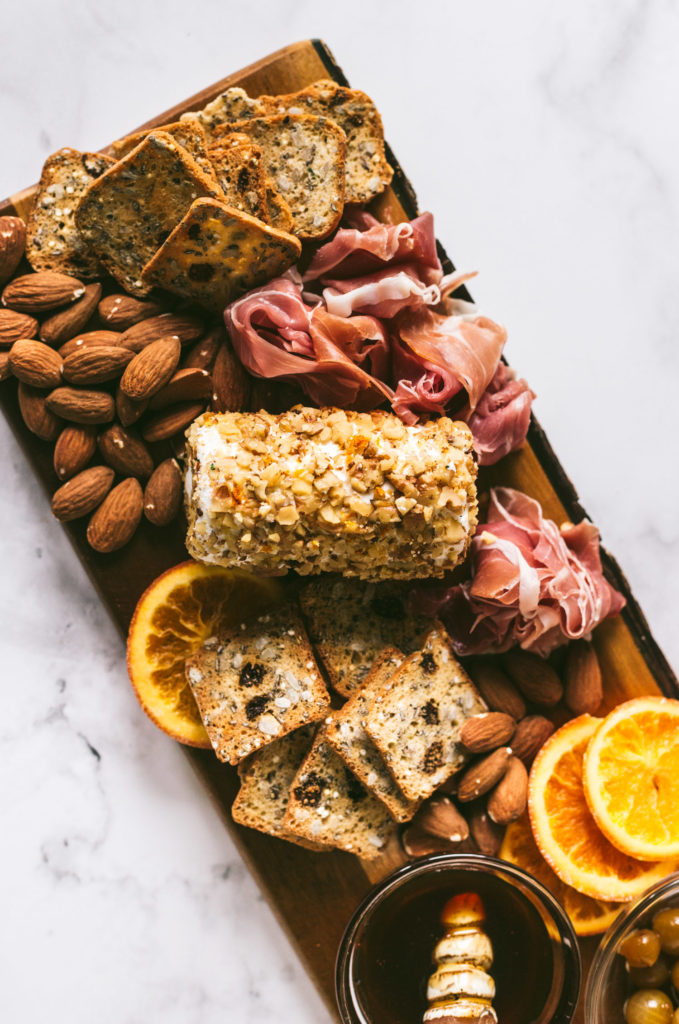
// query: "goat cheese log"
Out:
[325,490]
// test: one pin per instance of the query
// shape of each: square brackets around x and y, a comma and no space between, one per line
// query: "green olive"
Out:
[654,976]
[666,924]
[641,948]
[648,1006]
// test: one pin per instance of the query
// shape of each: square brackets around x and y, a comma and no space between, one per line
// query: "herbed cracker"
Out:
[188,132]
[239,168]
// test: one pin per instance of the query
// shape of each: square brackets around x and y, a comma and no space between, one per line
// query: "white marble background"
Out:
[546,139]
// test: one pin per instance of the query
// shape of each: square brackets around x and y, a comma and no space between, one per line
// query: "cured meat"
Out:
[501,419]
[384,293]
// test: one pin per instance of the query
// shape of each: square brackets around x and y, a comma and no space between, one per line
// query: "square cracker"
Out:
[256,683]
[189,133]
[216,253]
[239,168]
[127,214]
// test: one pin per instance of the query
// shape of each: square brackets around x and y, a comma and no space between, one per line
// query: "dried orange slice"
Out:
[174,616]
[589,917]
[567,835]
[631,777]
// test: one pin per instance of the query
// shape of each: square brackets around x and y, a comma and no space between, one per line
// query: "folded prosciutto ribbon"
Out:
[372,335]
[533,584]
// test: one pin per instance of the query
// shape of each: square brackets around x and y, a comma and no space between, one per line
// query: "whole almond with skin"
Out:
[125,453]
[531,734]
[508,800]
[170,421]
[75,447]
[5,368]
[128,412]
[115,521]
[485,833]
[12,245]
[96,364]
[202,356]
[41,292]
[481,776]
[82,494]
[163,493]
[69,322]
[440,817]
[78,406]
[184,386]
[90,339]
[36,364]
[14,326]
[40,420]
[584,687]
[151,369]
[487,731]
[535,678]
[168,325]
[122,311]
[497,689]
[230,382]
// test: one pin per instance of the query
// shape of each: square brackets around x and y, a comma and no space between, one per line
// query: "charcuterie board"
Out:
[314,896]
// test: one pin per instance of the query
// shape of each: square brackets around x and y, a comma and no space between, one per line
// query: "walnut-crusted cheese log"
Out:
[324,490]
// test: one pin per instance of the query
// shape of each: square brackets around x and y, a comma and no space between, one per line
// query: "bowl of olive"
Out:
[634,978]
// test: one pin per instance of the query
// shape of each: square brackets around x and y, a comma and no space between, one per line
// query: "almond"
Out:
[69,322]
[95,364]
[438,827]
[12,245]
[184,386]
[125,453]
[91,339]
[127,410]
[169,422]
[167,325]
[14,326]
[202,356]
[163,493]
[230,382]
[531,734]
[584,688]
[116,519]
[122,311]
[40,420]
[508,800]
[38,293]
[483,775]
[74,448]
[35,363]
[535,678]
[497,690]
[5,368]
[82,494]
[81,406]
[487,731]
[151,369]
[485,833]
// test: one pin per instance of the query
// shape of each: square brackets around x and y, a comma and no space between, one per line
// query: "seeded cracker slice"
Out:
[256,683]
[346,735]
[53,242]
[304,157]
[415,720]
[239,168]
[232,105]
[217,253]
[279,214]
[189,133]
[127,214]
[329,805]
[350,623]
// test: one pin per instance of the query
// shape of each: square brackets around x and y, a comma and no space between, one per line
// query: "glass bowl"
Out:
[607,987]
[385,956]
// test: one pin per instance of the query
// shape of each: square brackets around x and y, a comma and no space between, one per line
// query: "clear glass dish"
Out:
[385,956]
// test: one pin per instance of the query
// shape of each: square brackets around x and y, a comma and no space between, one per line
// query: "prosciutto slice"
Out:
[532,583]
[501,419]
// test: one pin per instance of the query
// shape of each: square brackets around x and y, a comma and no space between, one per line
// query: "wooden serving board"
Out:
[314,896]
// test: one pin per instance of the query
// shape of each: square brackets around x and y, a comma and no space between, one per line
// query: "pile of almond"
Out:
[527,699]
[109,380]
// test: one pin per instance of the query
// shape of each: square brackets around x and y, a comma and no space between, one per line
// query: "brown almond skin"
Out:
[78,406]
[535,678]
[39,419]
[151,369]
[12,245]
[485,833]
[230,382]
[121,311]
[75,447]
[508,800]
[82,494]
[584,691]
[163,493]
[36,364]
[113,524]
[42,291]
[96,365]
[187,385]
[182,326]
[5,368]
[64,325]
[481,776]
[487,731]
[14,326]
[531,734]
[202,356]
[440,817]
[418,843]
[497,689]
[170,421]
[128,412]
[90,339]
[124,452]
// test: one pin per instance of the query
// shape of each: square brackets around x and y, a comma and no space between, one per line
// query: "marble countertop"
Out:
[545,140]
